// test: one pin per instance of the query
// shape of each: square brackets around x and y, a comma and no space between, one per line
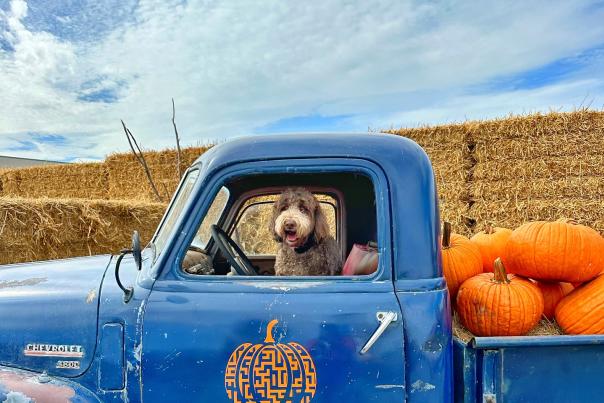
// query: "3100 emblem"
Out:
[68,365]
[270,372]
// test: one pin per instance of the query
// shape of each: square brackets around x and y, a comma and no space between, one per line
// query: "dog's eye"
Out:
[303,209]
[283,208]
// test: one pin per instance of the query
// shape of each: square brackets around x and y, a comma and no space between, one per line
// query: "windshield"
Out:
[174,211]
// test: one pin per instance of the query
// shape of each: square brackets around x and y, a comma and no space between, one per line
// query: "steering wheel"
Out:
[237,259]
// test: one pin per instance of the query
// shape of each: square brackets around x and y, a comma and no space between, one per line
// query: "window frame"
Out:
[235,212]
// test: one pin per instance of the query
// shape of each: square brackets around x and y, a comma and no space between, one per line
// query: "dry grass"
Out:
[38,229]
[545,327]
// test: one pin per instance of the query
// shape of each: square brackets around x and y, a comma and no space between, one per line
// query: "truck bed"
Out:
[529,369]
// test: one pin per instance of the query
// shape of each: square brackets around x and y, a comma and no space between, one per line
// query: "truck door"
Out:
[215,338]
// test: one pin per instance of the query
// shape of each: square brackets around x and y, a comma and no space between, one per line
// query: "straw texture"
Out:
[88,181]
[127,180]
[519,168]
[40,229]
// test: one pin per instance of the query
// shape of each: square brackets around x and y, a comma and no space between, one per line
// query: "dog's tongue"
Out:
[291,236]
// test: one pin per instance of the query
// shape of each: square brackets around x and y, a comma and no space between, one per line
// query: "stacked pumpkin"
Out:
[543,258]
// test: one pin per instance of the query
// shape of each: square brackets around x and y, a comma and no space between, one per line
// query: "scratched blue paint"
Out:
[53,302]
[556,369]
[111,356]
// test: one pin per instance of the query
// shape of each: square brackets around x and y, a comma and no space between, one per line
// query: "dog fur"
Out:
[300,226]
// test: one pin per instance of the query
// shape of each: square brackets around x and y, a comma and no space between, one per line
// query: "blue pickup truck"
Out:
[199,315]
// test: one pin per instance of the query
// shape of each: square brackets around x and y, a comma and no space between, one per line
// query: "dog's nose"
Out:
[289,225]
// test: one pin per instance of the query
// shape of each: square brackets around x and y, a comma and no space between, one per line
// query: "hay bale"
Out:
[578,134]
[80,180]
[581,125]
[127,179]
[589,187]
[513,213]
[440,136]
[539,147]
[457,213]
[39,229]
[548,167]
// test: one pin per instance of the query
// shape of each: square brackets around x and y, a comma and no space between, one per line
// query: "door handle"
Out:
[385,319]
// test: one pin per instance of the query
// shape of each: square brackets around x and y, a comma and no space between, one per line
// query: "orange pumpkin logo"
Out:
[270,372]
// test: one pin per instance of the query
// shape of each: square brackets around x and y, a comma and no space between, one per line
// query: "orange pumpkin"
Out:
[555,251]
[552,294]
[461,259]
[491,304]
[270,372]
[491,243]
[582,311]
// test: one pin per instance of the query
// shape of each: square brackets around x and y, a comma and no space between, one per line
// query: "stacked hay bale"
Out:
[539,167]
[85,181]
[447,147]
[60,211]
[40,229]
[128,181]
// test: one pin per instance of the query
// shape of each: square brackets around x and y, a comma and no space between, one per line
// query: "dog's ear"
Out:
[271,222]
[321,224]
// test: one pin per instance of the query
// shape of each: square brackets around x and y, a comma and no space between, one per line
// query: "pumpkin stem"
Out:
[269,331]
[499,271]
[446,242]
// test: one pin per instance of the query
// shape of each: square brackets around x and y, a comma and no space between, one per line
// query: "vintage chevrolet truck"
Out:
[198,314]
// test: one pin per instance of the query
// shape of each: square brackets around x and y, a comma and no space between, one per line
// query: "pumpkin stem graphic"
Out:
[269,331]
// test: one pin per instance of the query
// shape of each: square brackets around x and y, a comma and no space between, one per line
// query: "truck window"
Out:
[213,215]
[251,233]
[182,195]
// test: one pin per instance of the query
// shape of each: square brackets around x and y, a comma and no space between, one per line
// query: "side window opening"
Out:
[236,236]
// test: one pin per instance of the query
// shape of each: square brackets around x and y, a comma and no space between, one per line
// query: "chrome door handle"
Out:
[385,319]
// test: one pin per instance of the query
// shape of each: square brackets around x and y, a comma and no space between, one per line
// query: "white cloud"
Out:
[233,66]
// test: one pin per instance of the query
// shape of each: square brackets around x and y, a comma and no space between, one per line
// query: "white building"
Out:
[17,162]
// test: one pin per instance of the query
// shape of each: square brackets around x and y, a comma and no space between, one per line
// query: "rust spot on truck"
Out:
[22,283]
[23,387]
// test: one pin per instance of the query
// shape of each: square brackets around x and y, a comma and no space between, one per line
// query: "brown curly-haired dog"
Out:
[300,226]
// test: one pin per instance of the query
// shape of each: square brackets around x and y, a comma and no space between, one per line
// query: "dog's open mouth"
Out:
[291,238]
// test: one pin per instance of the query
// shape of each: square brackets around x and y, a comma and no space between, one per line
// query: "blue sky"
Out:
[71,69]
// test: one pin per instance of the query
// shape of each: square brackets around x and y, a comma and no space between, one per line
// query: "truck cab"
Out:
[199,315]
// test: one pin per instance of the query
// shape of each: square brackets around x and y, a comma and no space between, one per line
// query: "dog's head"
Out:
[297,216]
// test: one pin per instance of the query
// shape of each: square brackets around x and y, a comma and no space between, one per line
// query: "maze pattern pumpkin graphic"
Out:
[270,372]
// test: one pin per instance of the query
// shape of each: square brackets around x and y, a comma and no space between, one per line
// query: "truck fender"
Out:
[18,386]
